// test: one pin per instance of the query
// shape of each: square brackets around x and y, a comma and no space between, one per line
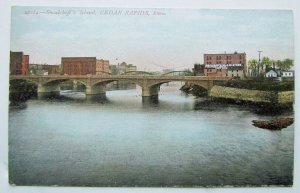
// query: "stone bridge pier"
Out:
[96,91]
[150,93]
[47,90]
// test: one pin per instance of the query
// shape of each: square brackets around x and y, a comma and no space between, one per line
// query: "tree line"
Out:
[257,68]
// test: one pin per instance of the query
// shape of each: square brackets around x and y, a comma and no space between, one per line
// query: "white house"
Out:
[287,74]
[271,73]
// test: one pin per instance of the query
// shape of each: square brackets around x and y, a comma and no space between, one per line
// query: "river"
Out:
[179,141]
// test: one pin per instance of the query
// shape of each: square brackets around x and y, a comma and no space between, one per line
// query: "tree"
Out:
[287,64]
[272,64]
[278,64]
[253,65]
[266,62]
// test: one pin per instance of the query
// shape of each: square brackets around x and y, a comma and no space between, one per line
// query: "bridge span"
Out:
[95,84]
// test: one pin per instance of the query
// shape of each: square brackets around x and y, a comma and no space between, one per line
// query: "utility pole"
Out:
[259,60]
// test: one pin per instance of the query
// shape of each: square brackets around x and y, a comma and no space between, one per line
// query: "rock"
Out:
[276,124]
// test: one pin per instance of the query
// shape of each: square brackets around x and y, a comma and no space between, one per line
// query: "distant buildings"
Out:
[122,68]
[277,73]
[223,65]
[84,65]
[44,69]
[19,63]
[125,68]
[287,74]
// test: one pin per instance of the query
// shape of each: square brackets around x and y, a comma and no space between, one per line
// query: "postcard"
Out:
[151,97]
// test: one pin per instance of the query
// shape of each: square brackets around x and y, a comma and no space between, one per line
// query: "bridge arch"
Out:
[100,82]
[58,81]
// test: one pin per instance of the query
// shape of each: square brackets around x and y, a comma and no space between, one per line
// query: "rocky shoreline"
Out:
[257,101]
[195,90]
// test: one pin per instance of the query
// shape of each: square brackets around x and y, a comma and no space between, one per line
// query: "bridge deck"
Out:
[122,77]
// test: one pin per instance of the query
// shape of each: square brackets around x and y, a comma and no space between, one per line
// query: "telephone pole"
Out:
[258,60]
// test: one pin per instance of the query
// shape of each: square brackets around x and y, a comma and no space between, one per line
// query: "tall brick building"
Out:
[19,63]
[224,59]
[84,65]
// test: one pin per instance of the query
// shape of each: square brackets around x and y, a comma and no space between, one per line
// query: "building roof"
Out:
[78,59]
[271,71]
[227,53]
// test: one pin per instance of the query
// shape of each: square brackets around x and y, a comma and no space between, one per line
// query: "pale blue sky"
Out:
[176,40]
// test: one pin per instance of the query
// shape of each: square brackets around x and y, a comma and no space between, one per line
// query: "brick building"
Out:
[19,63]
[52,69]
[198,69]
[84,65]
[223,61]
[102,66]
[210,70]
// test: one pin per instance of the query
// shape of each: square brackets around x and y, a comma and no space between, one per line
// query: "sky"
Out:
[173,39]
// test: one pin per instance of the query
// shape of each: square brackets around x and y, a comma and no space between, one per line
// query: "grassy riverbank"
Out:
[262,85]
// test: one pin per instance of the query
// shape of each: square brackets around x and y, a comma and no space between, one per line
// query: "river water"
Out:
[179,141]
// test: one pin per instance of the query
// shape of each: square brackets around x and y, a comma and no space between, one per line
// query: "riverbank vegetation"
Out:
[21,91]
[256,68]
[263,85]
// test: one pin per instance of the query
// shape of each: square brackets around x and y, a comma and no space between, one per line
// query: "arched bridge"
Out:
[95,84]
